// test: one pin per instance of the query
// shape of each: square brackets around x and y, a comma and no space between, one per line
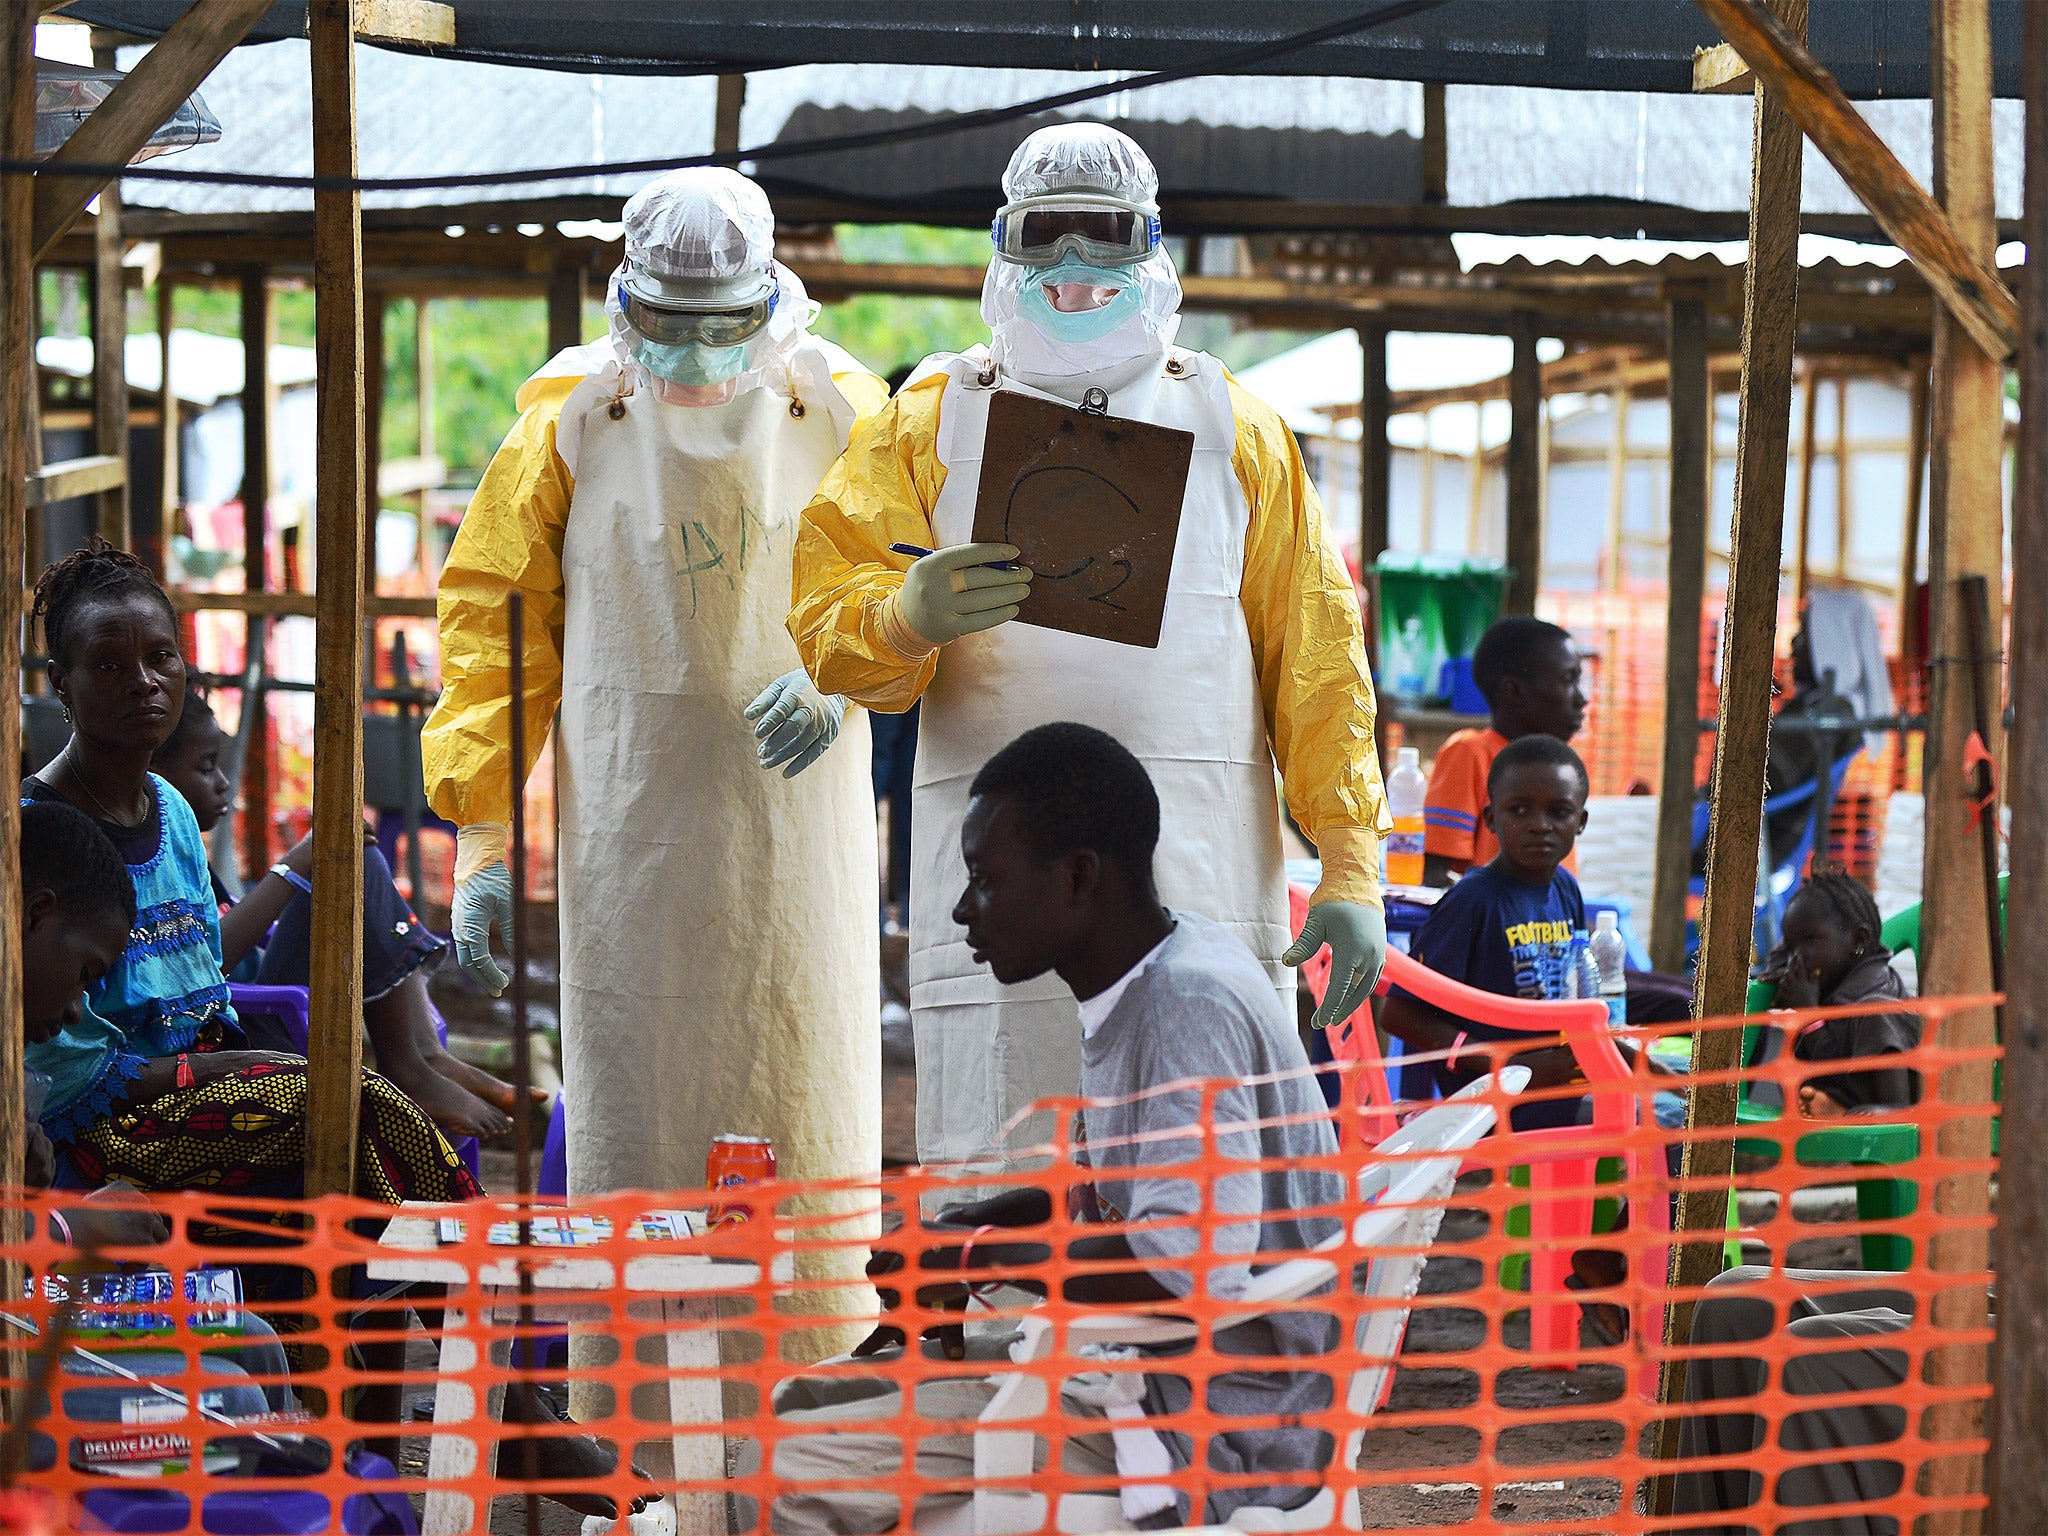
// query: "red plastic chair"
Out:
[1562,1161]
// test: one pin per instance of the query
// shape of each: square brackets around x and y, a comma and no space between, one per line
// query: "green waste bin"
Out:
[1433,609]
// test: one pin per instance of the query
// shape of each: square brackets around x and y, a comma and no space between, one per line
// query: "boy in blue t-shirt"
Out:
[1507,926]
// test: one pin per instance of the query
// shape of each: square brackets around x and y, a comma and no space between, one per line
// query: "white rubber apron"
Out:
[1190,710]
[719,957]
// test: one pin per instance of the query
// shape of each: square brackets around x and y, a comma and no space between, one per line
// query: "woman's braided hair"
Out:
[94,573]
[1848,897]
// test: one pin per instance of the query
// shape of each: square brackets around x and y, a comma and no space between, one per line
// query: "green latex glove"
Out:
[1357,936]
[481,900]
[952,592]
[794,723]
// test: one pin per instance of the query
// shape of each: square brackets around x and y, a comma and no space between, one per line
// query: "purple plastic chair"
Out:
[550,1349]
[253,1512]
[292,1007]
[553,1183]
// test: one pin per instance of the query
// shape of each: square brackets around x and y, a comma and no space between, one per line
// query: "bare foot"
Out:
[562,1458]
[1815,1104]
[492,1090]
[447,1104]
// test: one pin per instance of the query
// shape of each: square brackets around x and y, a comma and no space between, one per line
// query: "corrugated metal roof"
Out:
[1315,139]
[1876,48]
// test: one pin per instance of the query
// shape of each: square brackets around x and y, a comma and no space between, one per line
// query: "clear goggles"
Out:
[1103,230]
[713,327]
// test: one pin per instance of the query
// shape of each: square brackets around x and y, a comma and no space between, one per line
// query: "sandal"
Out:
[1609,1320]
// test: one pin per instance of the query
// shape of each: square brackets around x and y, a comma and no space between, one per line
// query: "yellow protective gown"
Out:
[1261,660]
[719,970]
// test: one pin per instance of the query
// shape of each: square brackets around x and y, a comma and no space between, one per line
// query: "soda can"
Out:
[735,1162]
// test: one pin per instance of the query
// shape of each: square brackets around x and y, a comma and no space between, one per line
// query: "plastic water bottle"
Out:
[1609,953]
[1406,789]
[1583,978]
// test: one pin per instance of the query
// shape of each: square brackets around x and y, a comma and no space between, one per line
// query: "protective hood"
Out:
[1089,157]
[709,222]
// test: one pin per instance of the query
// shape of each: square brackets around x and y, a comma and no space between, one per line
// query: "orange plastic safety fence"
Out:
[1448,1396]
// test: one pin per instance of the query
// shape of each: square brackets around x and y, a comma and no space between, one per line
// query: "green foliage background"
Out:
[484,349]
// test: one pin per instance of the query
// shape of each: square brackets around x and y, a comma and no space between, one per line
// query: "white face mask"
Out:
[1032,339]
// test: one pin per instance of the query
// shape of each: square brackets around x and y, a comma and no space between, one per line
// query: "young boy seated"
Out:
[1058,838]
[398,951]
[1532,677]
[1507,925]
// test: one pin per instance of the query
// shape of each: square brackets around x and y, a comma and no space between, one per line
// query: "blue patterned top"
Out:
[166,987]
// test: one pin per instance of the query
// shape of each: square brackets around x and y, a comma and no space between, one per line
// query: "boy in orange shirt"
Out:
[1533,680]
[1530,673]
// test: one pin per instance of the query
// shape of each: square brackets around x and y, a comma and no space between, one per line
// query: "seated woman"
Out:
[398,951]
[144,1082]
[1831,956]
[152,1084]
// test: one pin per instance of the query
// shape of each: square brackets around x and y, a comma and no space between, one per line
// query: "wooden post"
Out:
[31,419]
[256,329]
[1617,483]
[1375,497]
[1435,145]
[17,383]
[725,123]
[1770,306]
[423,401]
[1802,533]
[1691,400]
[1375,458]
[337,979]
[110,347]
[565,308]
[376,303]
[170,499]
[423,366]
[1916,494]
[1475,487]
[1966,529]
[1842,468]
[2019,1428]
[1425,484]
[1525,480]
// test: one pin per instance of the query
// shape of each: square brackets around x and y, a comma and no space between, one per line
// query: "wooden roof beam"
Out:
[1720,71]
[137,107]
[76,477]
[1967,284]
[420,23]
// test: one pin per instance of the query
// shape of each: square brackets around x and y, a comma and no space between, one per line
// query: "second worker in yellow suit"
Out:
[1261,657]
[717,861]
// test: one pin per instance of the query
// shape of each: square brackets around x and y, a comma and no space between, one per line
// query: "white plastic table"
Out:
[680,1289]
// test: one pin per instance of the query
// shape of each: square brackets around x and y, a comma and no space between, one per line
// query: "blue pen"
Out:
[918,552]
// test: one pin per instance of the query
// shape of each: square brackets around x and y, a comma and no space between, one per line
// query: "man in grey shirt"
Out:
[1058,841]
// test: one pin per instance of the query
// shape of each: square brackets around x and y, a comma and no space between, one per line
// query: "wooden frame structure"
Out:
[1952,287]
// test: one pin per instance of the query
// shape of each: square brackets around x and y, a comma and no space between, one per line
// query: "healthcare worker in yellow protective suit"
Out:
[717,863]
[1261,657]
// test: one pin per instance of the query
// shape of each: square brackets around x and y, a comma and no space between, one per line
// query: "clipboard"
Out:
[1093,503]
